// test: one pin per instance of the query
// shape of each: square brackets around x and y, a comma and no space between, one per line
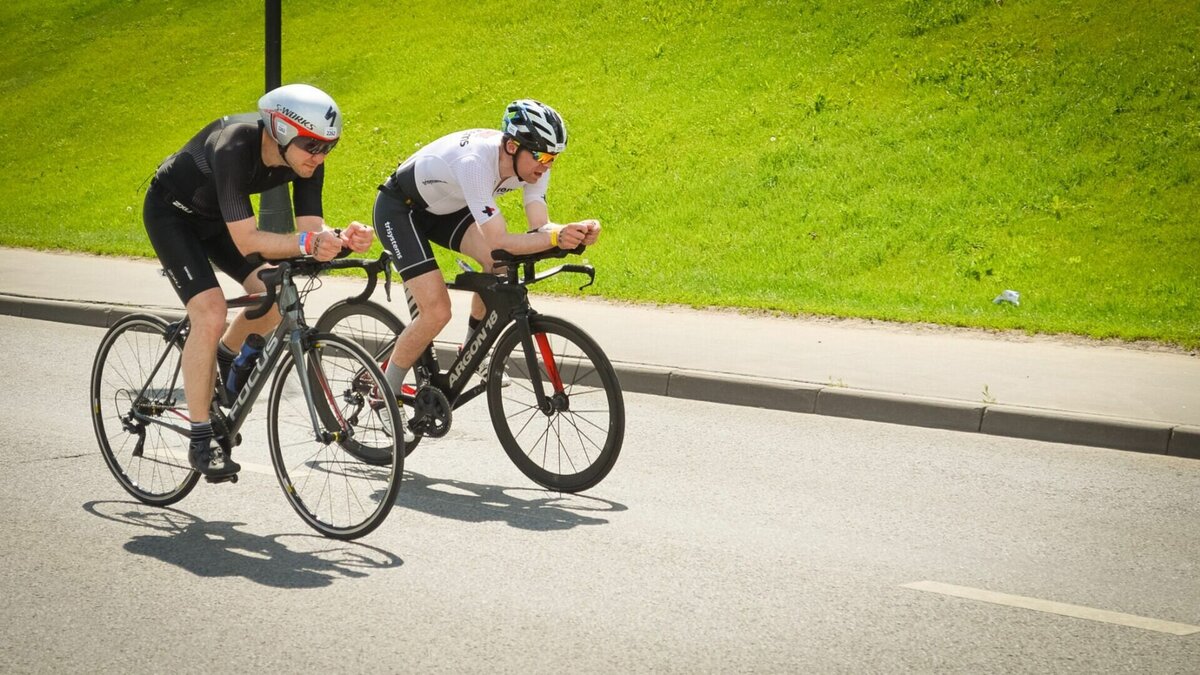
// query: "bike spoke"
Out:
[331,487]
[127,363]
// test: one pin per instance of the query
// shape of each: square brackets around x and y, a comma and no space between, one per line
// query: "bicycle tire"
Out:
[332,490]
[152,465]
[576,447]
[375,328]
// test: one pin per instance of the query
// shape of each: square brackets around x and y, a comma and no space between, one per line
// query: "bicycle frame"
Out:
[289,335]
[506,301]
[505,304]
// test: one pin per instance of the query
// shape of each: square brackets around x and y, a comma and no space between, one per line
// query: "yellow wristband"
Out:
[554,238]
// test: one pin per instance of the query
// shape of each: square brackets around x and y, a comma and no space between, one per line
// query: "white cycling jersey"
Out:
[462,170]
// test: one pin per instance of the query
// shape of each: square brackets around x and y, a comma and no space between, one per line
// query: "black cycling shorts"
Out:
[185,242]
[406,233]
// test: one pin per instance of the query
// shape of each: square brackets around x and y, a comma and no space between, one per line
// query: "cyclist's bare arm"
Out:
[537,214]
[496,235]
[249,239]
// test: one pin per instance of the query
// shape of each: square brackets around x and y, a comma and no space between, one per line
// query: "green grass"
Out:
[902,161]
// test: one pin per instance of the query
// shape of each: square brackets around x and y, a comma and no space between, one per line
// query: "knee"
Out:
[253,284]
[438,314]
[207,315]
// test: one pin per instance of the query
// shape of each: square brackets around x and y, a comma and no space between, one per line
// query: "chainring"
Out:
[431,413]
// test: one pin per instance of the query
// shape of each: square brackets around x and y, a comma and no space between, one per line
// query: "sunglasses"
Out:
[315,146]
[543,157]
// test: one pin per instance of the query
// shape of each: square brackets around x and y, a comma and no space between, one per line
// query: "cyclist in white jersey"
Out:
[446,193]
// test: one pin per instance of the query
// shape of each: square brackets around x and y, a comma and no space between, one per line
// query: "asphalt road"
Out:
[726,539]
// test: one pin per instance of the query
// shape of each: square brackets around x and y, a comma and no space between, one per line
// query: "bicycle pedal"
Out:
[229,478]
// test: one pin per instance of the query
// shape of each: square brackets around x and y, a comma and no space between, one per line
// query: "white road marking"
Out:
[1052,607]
[252,467]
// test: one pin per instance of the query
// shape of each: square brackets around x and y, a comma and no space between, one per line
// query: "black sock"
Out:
[225,357]
[201,432]
[473,325]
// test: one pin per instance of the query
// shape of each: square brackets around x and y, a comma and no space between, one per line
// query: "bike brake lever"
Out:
[591,280]
[585,269]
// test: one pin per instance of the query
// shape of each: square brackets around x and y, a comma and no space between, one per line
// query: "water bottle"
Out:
[243,364]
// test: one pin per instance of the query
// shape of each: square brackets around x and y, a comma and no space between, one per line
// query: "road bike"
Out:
[553,396]
[329,405]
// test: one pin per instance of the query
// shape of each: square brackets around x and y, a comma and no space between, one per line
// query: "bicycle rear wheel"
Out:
[374,328]
[147,458]
[332,489]
[573,445]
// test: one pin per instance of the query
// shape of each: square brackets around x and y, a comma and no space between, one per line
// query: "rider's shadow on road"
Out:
[219,549]
[523,508]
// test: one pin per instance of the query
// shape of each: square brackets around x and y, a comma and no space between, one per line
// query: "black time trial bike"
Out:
[553,396]
[329,405]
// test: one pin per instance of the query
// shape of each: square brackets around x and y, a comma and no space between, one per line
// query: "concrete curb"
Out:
[791,396]
[897,409]
[1185,442]
[1065,427]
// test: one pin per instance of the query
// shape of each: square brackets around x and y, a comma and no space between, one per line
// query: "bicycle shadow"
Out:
[219,549]
[524,508]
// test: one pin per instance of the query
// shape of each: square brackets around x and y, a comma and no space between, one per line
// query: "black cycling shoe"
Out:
[212,462]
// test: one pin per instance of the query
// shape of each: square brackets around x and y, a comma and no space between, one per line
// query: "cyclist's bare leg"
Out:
[240,327]
[433,313]
[475,243]
[207,313]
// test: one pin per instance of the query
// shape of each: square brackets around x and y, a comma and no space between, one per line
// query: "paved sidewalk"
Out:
[1050,389]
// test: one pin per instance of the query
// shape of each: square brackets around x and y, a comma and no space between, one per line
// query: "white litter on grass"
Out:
[1008,296]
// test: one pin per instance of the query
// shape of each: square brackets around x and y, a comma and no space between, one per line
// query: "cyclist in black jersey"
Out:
[198,210]
[446,193]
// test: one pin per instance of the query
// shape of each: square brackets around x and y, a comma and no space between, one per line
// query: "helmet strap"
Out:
[283,156]
[513,156]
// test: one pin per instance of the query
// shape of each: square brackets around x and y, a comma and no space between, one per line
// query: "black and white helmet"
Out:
[300,111]
[535,126]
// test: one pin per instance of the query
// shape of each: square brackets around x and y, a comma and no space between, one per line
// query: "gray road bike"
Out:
[329,404]
[553,396]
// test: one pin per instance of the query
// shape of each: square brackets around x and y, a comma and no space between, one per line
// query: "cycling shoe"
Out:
[212,462]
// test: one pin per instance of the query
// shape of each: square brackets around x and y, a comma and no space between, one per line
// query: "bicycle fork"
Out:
[309,372]
[558,400]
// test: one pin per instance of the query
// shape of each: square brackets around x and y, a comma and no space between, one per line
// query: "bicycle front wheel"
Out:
[572,442]
[331,488]
[374,328]
[130,410]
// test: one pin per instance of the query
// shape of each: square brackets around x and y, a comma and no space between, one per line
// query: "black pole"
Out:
[274,40]
[275,205]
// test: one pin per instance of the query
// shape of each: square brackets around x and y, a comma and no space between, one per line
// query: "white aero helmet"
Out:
[535,126]
[304,114]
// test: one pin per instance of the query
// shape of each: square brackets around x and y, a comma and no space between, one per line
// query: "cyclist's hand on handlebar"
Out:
[358,237]
[593,231]
[327,245]
[572,236]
